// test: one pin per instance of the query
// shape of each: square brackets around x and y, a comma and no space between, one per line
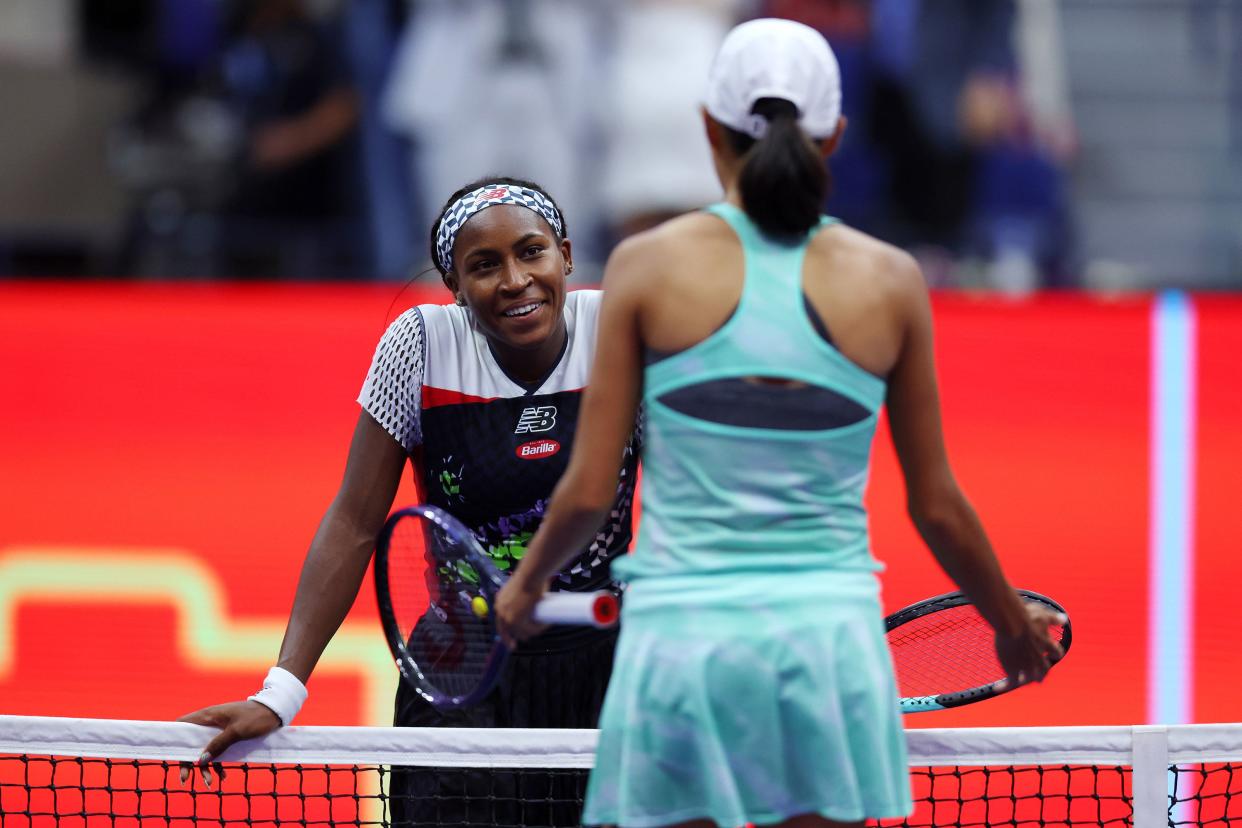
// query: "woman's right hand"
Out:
[1028,655]
[237,721]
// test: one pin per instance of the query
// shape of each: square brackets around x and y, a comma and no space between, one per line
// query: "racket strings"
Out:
[447,632]
[948,651]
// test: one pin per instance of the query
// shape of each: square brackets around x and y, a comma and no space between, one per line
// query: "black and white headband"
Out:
[486,196]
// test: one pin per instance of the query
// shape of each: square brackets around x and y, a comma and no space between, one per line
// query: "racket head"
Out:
[944,652]
[435,587]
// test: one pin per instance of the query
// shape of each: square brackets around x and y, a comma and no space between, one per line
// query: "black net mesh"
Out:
[1208,795]
[44,790]
[68,791]
[974,797]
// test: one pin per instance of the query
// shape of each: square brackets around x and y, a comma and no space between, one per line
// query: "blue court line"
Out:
[1171,540]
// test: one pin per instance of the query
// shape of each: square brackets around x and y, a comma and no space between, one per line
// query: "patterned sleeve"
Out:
[392,391]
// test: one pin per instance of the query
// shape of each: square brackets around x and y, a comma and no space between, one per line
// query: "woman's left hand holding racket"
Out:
[1029,653]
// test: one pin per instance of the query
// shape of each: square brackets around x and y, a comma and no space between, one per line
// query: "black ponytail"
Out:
[784,180]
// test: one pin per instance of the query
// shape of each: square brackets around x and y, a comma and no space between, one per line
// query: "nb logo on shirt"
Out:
[535,419]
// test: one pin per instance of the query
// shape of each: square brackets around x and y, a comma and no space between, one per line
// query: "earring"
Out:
[461,301]
[570,268]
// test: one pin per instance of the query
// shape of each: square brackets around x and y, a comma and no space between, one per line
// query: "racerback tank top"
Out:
[722,497]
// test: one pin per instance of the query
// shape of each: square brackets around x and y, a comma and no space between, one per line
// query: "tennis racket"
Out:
[944,652]
[436,587]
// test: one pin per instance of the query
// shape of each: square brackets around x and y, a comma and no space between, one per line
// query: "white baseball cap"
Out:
[773,58]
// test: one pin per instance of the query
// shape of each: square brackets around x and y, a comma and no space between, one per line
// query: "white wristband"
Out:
[282,693]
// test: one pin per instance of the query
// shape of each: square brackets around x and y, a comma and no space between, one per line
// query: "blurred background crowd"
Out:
[1013,145]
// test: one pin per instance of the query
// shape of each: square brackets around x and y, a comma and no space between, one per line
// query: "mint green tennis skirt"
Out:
[750,699]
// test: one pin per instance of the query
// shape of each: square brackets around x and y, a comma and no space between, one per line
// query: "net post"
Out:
[1149,776]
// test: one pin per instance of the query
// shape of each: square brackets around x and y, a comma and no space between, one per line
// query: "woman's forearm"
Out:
[960,545]
[342,546]
[329,583]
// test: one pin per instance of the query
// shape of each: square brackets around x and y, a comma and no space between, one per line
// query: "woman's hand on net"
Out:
[1028,655]
[236,721]
[515,610]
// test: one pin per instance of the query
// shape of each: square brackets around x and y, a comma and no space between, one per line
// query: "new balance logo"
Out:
[535,419]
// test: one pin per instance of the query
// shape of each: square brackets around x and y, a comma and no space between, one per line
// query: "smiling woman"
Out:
[478,397]
[503,253]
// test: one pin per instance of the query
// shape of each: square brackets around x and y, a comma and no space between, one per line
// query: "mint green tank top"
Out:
[723,498]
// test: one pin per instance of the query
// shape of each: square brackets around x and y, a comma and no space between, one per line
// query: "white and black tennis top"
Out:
[486,447]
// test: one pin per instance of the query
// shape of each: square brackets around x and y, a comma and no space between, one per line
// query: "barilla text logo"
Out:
[492,195]
[537,449]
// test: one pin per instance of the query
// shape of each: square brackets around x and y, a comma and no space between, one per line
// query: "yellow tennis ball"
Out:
[479,605]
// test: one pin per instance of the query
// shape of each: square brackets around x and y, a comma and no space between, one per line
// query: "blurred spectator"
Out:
[372,30]
[942,74]
[483,86]
[658,163]
[242,161]
[1020,225]
[941,156]
[285,78]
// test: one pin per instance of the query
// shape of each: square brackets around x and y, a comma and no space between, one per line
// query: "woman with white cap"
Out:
[752,681]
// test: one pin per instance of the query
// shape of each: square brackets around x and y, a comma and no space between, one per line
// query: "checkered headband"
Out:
[456,216]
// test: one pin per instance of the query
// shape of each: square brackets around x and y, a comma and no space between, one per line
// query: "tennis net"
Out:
[100,772]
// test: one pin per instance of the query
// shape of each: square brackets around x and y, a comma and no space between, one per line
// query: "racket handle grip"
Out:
[594,609]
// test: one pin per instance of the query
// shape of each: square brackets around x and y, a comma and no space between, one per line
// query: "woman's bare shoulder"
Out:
[651,253]
[854,251]
[686,228]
